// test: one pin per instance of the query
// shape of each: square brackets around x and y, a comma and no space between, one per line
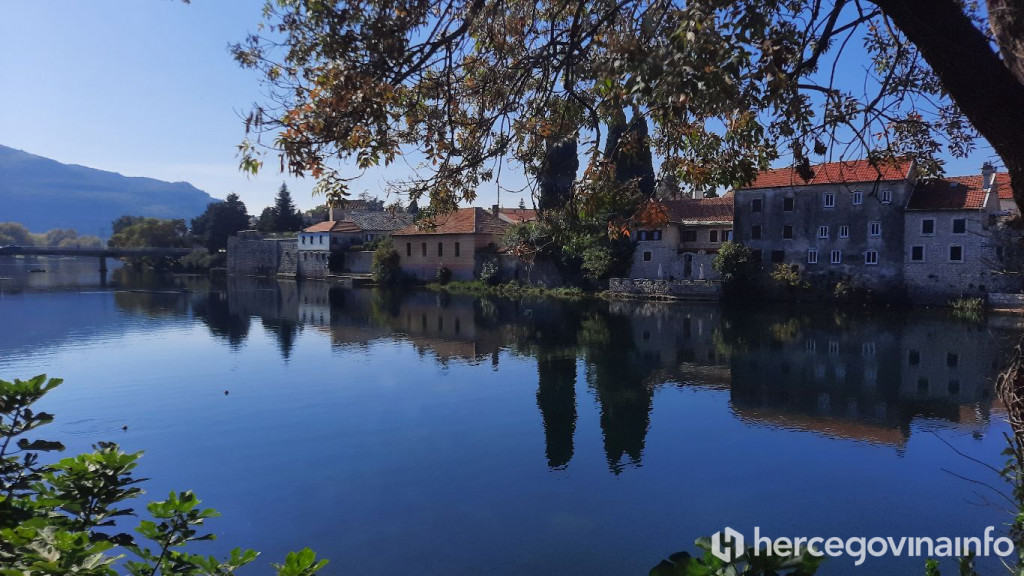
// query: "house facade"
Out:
[846,223]
[949,248]
[452,240]
[684,248]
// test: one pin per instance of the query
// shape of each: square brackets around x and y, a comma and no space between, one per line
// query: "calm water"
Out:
[444,435]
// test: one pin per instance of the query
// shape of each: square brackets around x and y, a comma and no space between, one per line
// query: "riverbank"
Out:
[510,290]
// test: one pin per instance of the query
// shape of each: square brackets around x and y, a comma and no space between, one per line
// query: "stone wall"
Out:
[249,254]
[1006,301]
[683,289]
[312,263]
[358,262]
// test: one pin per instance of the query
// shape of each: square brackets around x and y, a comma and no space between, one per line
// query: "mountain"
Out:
[43,194]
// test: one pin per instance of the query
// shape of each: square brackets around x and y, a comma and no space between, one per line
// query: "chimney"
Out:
[494,210]
[330,213]
[988,173]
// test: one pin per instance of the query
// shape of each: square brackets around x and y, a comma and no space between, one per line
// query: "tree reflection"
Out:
[214,311]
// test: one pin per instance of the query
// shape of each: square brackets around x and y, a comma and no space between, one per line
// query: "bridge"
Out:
[101,253]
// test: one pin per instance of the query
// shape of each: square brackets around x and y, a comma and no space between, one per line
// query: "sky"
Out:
[149,88]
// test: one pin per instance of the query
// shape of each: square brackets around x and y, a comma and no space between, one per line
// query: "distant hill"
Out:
[43,194]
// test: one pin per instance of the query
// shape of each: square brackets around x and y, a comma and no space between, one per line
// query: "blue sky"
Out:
[148,88]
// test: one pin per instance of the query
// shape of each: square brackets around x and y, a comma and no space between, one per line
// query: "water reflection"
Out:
[860,377]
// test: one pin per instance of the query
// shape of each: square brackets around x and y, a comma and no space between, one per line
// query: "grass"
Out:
[507,290]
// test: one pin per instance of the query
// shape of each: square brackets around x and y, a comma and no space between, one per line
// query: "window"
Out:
[369,238]
[756,204]
[655,234]
[858,197]
[833,347]
[714,236]
[886,196]
[874,228]
[959,226]
[956,253]
[423,249]
[726,235]
[917,253]
[844,231]
[787,232]
[457,250]
[755,233]
[787,204]
[822,231]
[690,235]
[440,249]
[408,248]
[647,255]
[642,236]
[953,387]
[778,256]
[871,257]
[928,226]
[756,255]
[811,345]
[303,238]
[812,256]
[836,257]
[952,360]
[830,200]
[867,349]
[321,238]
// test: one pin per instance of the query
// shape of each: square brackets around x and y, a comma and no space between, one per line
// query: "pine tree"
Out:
[287,217]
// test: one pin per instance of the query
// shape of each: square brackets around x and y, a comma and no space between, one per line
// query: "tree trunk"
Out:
[988,92]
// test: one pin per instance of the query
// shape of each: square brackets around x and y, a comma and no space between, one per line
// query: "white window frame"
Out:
[836,257]
[858,198]
[886,196]
[823,232]
[812,256]
[950,254]
[844,231]
[875,229]
[829,200]
[924,253]
[871,257]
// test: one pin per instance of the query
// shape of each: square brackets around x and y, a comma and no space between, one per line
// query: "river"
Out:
[433,434]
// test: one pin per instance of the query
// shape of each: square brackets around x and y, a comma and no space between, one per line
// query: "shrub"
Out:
[443,275]
[489,273]
[385,267]
[734,263]
[970,309]
[788,276]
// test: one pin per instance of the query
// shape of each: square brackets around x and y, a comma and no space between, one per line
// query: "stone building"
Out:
[453,240]
[949,247]
[844,223]
[684,248]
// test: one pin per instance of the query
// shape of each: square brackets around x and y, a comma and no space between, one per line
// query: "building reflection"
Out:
[863,377]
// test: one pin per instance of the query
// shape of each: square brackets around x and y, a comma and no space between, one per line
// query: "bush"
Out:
[734,263]
[200,260]
[489,273]
[443,275]
[385,267]
[788,276]
[970,309]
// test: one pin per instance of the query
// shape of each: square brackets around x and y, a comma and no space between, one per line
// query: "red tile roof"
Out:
[462,221]
[953,193]
[517,215]
[324,226]
[702,210]
[833,173]
[1003,186]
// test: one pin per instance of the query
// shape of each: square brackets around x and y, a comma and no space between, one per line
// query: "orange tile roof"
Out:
[702,210]
[1003,186]
[324,226]
[833,173]
[953,193]
[333,226]
[462,221]
[517,215]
